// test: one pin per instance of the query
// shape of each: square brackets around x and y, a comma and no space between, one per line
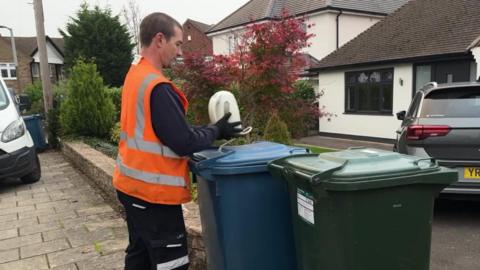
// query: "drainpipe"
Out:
[338,26]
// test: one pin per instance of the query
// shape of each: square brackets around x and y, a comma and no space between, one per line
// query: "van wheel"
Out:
[35,175]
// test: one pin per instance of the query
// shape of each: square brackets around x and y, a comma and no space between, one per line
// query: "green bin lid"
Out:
[364,168]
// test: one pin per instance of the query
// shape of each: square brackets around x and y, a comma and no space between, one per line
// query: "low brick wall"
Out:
[99,168]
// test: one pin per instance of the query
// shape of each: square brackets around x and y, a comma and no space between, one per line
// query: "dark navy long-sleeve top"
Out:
[171,127]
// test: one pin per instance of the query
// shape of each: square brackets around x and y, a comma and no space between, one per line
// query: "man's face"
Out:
[170,49]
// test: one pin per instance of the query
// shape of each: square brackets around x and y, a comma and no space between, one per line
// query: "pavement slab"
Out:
[61,222]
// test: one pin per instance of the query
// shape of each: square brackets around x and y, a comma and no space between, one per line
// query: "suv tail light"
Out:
[420,132]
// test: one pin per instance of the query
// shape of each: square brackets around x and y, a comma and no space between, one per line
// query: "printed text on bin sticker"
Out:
[305,206]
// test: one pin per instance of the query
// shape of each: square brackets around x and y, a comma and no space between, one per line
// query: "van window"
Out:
[3,98]
[452,102]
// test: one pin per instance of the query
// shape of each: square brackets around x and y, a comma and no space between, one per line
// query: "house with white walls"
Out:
[335,22]
[375,75]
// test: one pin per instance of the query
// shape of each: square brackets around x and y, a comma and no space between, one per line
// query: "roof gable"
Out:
[199,25]
[28,45]
[55,43]
[422,28]
[256,10]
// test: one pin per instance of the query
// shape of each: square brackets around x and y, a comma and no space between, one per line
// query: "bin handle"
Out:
[302,150]
[433,162]
[275,166]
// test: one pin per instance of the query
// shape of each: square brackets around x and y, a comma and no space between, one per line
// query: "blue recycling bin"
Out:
[244,211]
[35,128]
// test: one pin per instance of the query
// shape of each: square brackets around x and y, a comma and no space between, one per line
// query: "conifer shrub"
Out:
[115,94]
[87,110]
[276,130]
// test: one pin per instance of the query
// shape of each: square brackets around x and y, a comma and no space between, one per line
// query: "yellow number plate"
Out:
[471,173]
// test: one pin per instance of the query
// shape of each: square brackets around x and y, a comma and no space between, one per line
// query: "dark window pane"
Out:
[364,98]
[351,99]
[375,77]
[387,98]
[5,73]
[362,78]
[351,78]
[13,73]
[387,76]
[375,100]
[369,91]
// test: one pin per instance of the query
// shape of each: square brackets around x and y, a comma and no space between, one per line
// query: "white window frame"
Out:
[35,70]
[232,44]
[8,67]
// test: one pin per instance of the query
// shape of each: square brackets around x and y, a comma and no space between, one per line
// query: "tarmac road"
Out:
[456,235]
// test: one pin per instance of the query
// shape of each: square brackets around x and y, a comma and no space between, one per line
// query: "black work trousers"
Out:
[157,236]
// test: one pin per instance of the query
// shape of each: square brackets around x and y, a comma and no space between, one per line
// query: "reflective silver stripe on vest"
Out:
[173,264]
[140,117]
[152,178]
[150,147]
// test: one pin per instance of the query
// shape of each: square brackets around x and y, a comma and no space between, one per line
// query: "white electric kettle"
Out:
[221,103]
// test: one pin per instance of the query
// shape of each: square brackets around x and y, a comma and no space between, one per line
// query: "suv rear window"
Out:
[3,98]
[452,102]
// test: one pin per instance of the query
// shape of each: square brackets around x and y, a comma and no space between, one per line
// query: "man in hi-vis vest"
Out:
[151,175]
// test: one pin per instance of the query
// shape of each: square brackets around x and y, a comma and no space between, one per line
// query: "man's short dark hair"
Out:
[154,23]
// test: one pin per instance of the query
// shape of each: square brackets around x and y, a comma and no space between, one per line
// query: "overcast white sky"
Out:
[18,14]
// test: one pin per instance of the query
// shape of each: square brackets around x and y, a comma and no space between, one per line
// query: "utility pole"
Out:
[42,51]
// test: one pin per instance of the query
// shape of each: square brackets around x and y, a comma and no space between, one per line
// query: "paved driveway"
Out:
[58,223]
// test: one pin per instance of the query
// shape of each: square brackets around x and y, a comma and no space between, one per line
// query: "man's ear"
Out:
[159,39]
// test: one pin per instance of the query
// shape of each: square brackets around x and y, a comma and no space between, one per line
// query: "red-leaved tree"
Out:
[261,73]
[200,79]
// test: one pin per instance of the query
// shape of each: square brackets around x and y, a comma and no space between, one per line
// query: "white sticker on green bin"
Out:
[305,206]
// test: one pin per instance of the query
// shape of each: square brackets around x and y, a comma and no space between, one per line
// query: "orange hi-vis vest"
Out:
[146,168]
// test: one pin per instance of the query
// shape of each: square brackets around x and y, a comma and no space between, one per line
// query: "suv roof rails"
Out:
[429,85]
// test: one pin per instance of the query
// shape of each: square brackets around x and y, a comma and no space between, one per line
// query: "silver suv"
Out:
[443,122]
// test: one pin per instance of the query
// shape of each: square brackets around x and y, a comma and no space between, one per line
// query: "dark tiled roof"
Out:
[60,43]
[475,43]
[27,45]
[310,62]
[256,10]
[199,25]
[422,28]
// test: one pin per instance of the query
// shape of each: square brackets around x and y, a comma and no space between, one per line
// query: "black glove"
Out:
[227,130]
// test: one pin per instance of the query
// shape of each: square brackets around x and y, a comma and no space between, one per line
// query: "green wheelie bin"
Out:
[362,209]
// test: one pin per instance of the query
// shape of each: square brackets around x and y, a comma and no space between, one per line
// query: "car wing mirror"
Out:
[401,115]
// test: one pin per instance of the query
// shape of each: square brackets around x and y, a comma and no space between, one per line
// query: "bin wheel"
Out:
[35,175]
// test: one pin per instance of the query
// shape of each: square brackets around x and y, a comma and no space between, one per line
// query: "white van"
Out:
[18,157]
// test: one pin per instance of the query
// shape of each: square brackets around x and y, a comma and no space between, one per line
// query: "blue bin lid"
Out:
[243,157]
[31,116]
